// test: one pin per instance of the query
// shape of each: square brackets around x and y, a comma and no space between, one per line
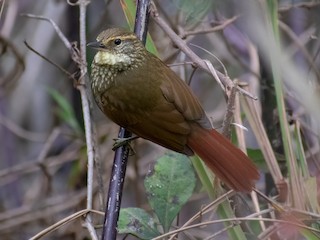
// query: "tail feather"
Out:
[228,162]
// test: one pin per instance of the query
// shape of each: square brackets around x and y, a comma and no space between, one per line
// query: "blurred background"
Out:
[43,159]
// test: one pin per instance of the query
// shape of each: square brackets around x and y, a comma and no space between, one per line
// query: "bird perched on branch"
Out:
[139,92]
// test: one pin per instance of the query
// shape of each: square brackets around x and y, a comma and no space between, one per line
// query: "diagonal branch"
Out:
[122,153]
[227,82]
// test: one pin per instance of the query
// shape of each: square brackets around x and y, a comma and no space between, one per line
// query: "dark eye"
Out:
[117,41]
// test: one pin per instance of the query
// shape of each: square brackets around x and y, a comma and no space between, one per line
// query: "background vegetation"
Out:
[269,47]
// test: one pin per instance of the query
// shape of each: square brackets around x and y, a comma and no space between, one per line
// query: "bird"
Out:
[139,92]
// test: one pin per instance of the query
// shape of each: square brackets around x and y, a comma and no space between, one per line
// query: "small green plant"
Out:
[168,185]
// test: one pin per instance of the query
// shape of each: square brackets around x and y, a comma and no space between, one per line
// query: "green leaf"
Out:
[65,110]
[169,185]
[137,222]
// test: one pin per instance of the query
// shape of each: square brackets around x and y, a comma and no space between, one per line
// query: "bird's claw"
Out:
[119,142]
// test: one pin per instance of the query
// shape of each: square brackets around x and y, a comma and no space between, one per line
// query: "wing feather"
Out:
[180,94]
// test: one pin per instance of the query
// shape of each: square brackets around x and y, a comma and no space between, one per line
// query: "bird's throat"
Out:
[107,58]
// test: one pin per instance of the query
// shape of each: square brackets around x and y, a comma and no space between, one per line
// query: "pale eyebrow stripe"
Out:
[132,37]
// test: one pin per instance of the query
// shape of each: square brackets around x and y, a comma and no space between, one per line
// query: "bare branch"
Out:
[209,30]
[86,102]
[69,75]
[17,130]
[79,56]
[64,221]
[55,26]
[183,46]
[71,153]
[300,46]
[226,131]
[17,69]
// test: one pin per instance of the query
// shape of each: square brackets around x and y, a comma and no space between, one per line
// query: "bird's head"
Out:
[118,47]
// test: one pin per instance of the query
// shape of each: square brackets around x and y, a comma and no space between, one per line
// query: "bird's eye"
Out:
[117,41]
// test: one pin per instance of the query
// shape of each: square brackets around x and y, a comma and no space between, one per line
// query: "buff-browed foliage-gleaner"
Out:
[136,90]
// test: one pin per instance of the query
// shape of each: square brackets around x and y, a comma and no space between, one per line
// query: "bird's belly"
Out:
[127,94]
[125,104]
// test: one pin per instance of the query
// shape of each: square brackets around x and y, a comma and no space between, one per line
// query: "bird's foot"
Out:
[119,142]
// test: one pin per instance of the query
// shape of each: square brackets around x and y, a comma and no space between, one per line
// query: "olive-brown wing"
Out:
[181,96]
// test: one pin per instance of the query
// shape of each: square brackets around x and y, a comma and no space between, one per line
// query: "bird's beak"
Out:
[95,45]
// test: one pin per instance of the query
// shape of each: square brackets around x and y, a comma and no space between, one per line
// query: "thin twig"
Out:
[16,70]
[55,26]
[225,229]
[206,209]
[41,159]
[177,64]
[50,61]
[47,146]
[62,222]
[242,146]
[251,110]
[210,30]
[71,153]
[80,58]
[86,100]
[183,46]
[20,132]
[65,221]
[284,27]
[27,213]
[74,52]
[215,57]
[203,224]
[226,130]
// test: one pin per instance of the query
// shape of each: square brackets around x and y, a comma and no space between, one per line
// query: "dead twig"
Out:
[69,75]
[70,154]
[183,46]
[207,209]
[54,25]
[236,220]
[27,213]
[20,132]
[79,57]
[284,27]
[252,114]
[220,27]
[86,101]
[65,221]
[226,130]
[17,69]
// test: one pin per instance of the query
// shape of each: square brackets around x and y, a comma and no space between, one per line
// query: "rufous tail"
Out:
[228,162]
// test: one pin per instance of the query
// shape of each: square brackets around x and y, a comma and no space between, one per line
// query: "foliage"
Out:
[168,186]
